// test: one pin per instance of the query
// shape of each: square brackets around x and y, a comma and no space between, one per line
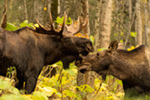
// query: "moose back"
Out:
[30,49]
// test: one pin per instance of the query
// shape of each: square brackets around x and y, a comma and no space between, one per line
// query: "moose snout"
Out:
[89,48]
[83,69]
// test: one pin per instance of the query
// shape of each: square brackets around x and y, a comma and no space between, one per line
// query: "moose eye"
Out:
[97,54]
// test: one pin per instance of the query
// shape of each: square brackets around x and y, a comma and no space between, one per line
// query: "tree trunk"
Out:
[84,14]
[145,26]
[105,28]
[58,7]
[86,78]
[139,23]
[148,28]
[54,9]
[25,10]
[97,24]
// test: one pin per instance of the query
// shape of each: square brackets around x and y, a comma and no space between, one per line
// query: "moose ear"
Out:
[113,46]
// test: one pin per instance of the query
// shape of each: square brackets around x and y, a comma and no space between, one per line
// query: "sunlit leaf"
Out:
[133,34]
[13,97]
[39,96]
[101,49]
[11,27]
[69,93]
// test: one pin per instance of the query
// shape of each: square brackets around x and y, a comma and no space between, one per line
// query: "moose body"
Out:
[132,67]
[30,49]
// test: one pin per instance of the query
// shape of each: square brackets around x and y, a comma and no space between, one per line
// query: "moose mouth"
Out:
[84,53]
[83,68]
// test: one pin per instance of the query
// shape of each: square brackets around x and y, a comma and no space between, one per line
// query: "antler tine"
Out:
[64,21]
[40,24]
[79,20]
[3,23]
[51,20]
[81,25]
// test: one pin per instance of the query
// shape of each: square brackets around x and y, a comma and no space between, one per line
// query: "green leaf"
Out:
[121,41]
[92,38]
[11,27]
[48,91]
[101,49]
[133,34]
[12,97]
[24,23]
[69,93]
[39,96]
[59,20]
[121,34]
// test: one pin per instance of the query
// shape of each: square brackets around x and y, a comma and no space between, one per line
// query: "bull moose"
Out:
[132,67]
[30,49]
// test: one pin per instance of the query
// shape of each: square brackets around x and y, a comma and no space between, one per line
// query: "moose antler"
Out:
[48,27]
[40,25]
[76,29]
[51,20]
[4,17]
[63,25]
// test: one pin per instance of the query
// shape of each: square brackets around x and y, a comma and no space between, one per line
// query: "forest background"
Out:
[126,21]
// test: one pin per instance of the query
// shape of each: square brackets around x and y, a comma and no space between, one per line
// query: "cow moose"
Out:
[132,67]
[30,49]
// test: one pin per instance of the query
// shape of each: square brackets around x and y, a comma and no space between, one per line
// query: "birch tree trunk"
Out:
[84,14]
[87,77]
[148,28]
[97,24]
[105,27]
[139,23]
[25,10]
[145,26]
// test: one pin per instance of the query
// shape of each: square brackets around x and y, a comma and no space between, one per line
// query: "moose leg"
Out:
[19,84]
[31,75]
[103,77]
[129,90]
[30,84]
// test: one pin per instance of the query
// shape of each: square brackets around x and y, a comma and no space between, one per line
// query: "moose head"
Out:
[98,62]
[65,35]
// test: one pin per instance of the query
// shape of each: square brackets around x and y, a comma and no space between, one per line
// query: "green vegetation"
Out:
[63,85]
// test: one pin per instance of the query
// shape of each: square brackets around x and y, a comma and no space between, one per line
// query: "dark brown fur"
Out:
[132,67]
[29,50]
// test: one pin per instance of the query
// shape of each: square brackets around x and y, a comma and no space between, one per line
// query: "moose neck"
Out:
[53,50]
[129,64]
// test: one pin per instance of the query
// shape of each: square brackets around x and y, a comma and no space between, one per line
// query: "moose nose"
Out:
[83,70]
[89,48]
